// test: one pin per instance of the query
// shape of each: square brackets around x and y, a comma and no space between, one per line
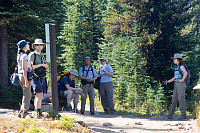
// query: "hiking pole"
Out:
[162,86]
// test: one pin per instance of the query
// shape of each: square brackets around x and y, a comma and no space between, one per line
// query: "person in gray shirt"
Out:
[87,75]
[23,67]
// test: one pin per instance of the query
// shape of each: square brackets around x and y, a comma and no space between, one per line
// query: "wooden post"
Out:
[53,67]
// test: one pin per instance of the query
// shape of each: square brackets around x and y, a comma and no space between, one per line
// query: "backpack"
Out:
[62,74]
[188,79]
[39,72]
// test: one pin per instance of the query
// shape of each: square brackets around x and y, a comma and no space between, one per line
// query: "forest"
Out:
[138,37]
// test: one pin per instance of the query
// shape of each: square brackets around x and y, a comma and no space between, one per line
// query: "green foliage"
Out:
[53,115]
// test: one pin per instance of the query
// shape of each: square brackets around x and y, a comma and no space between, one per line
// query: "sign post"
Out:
[51,57]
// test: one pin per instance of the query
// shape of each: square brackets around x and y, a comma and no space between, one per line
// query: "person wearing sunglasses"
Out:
[106,86]
[38,82]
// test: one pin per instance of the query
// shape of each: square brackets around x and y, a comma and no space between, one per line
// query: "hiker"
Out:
[23,67]
[38,81]
[87,75]
[106,86]
[179,87]
[67,90]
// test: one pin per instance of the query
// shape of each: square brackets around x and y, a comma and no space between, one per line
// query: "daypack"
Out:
[62,74]
[188,79]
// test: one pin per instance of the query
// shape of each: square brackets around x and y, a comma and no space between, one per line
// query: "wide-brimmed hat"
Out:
[177,55]
[86,58]
[38,41]
[103,58]
[21,44]
[74,72]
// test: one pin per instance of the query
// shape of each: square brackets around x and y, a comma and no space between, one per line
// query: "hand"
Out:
[80,90]
[82,95]
[90,80]
[165,82]
[103,70]
[180,80]
[98,76]
[26,84]
[46,66]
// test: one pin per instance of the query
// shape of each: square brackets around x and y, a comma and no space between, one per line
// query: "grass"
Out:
[65,124]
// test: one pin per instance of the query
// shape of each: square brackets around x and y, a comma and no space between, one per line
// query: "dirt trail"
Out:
[120,123]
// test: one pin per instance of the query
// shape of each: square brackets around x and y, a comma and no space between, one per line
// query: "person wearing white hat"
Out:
[66,87]
[179,87]
[38,80]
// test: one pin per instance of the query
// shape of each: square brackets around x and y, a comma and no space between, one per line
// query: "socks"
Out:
[37,110]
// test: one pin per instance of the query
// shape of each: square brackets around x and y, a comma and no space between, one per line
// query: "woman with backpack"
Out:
[23,69]
[38,81]
[180,74]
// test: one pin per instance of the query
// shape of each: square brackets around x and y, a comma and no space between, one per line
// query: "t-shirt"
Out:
[20,58]
[104,76]
[65,80]
[38,60]
[90,74]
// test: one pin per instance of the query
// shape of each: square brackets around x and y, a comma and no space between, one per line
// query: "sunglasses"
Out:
[39,44]
[102,60]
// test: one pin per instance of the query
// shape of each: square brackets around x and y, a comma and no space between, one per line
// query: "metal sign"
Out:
[48,59]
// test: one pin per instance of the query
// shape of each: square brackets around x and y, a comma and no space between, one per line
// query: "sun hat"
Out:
[21,44]
[86,58]
[103,58]
[177,55]
[38,41]
[74,72]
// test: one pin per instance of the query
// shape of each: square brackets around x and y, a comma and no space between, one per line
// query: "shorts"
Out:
[38,85]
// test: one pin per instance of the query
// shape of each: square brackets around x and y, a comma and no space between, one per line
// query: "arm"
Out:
[110,74]
[182,68]
[171,80]
[24,63]
[73,89]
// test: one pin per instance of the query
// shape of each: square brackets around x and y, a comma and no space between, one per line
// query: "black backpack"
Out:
[188,79]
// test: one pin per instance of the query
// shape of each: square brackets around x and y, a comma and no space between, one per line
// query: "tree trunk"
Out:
[3,57]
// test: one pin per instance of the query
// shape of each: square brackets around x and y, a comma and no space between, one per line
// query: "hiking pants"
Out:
[88,89]
[26,93]
[106,92]
[178,95]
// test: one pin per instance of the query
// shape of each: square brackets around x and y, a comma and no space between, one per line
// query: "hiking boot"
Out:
[76,110]
[106,111]
[37,115]
[82,112]
[182,118]
[22,114]
[112,112]
[68,108]
[92,113]
[168,117]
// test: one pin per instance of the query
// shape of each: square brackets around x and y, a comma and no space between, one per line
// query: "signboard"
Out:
[48,57]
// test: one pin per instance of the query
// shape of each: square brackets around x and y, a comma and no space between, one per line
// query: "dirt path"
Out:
[119,123]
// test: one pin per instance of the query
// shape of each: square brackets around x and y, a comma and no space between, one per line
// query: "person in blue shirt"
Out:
[179,87]
[106,86]
[67,90]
